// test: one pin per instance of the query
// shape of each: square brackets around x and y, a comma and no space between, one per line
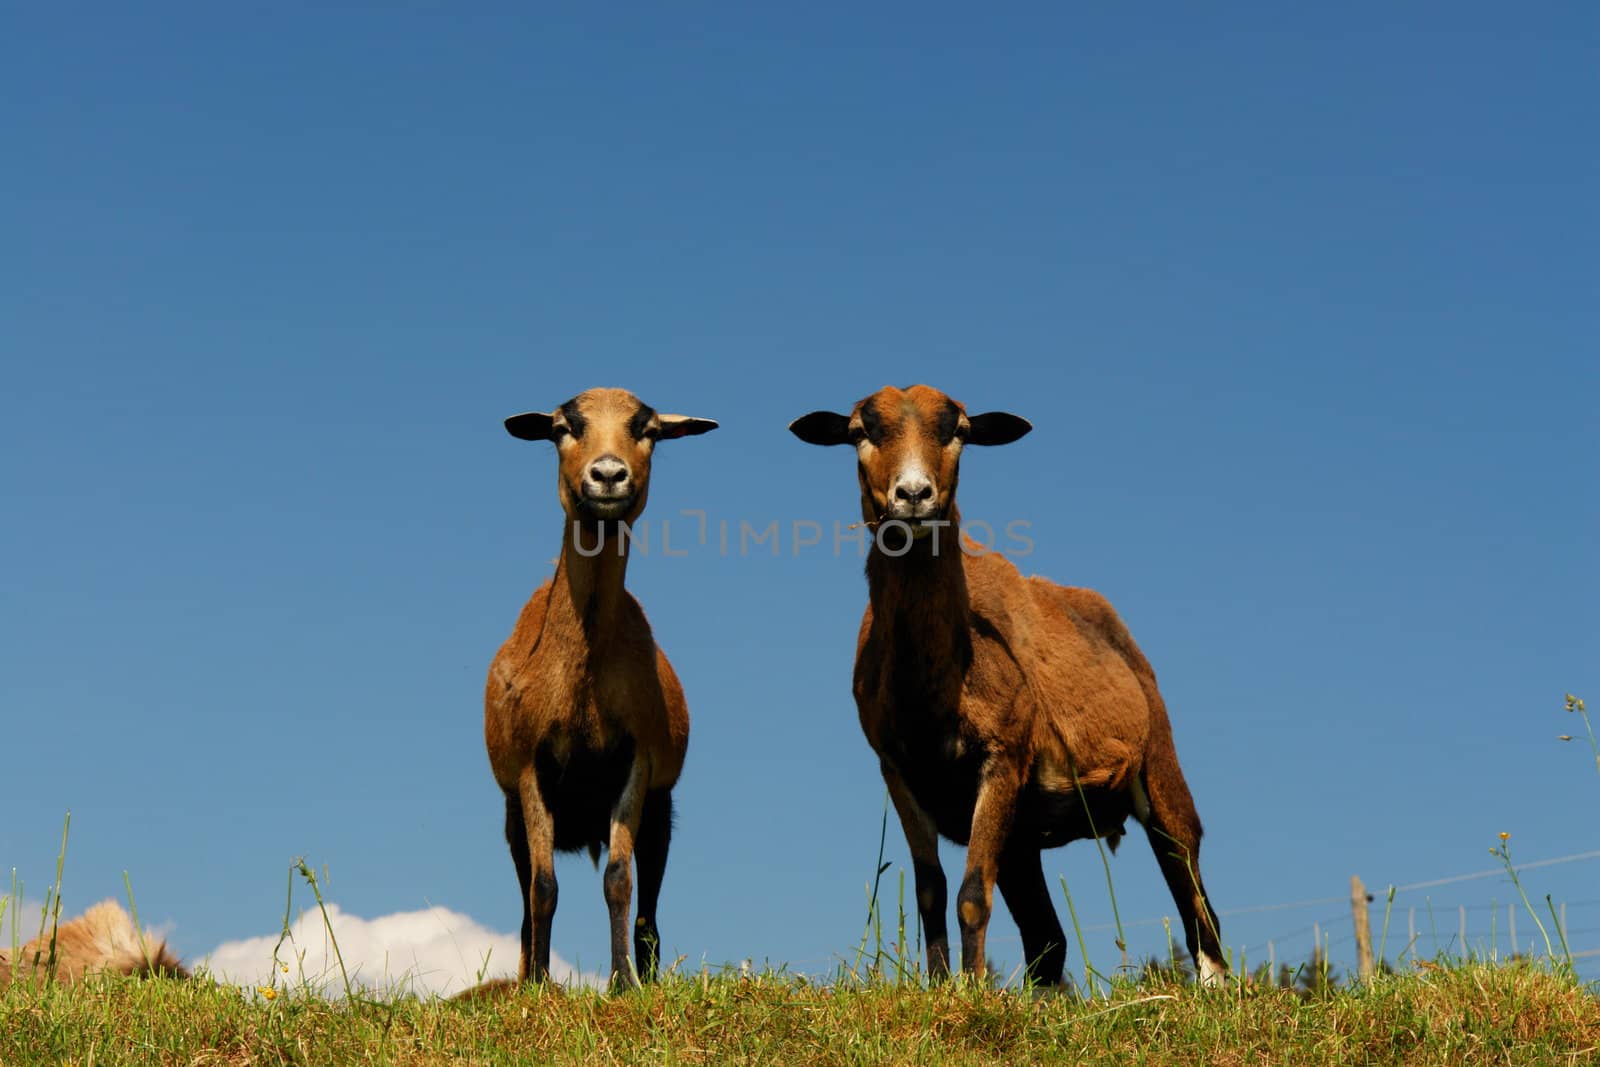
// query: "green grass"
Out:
[876,1010]
[1476,1013]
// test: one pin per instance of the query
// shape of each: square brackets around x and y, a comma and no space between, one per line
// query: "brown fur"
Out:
[1008,713]
[584,719]
[102,940]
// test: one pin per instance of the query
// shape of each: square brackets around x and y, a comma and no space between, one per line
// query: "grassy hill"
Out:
[1440,1014]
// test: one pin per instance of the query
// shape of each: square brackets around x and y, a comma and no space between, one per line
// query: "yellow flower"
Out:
[1504,836]
[267,992]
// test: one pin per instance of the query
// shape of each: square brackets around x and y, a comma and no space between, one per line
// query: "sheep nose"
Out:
[608,472]
[913,490]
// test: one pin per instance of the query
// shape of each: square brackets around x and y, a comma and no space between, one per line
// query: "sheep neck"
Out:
[919,599]
[588,591]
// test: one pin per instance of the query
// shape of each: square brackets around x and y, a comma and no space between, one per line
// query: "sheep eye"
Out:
[643,426]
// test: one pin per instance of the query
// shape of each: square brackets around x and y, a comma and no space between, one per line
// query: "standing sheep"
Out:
[584,719]
[1009,714]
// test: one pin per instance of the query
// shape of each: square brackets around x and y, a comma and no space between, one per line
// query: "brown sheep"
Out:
[584,719]
[1009,714]
[102,940]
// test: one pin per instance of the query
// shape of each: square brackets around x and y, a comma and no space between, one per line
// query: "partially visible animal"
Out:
[584,719]
[103,940]
[1008,714]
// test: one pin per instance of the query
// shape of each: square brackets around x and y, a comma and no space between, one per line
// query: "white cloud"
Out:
[434,950]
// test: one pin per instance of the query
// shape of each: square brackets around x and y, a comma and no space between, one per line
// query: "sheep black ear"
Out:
[996,428]
[822,428]
[530,425]
[683,426]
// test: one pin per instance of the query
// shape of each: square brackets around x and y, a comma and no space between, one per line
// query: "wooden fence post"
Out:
[1358,909]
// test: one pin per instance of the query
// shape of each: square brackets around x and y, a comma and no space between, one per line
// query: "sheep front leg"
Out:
[536,870]
[923,839]
[991,825]
[618,882]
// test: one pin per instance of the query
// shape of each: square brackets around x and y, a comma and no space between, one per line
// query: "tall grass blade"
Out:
[138,931]
[311,878]
[1566,949]
[1576,704]
[1383,938]
[900,960]
[1503,850]
[1111,890]
[53,897]
[16,911]
[285,935]
[872,897]
[1083,949]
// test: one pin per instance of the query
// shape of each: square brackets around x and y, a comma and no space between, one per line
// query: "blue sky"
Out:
[1302,305]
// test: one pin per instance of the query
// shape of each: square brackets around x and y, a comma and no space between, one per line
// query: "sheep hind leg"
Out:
[1027,896]
[650,859]
[1174,831]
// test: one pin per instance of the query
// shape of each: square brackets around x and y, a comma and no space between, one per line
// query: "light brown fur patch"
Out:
[102,940]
